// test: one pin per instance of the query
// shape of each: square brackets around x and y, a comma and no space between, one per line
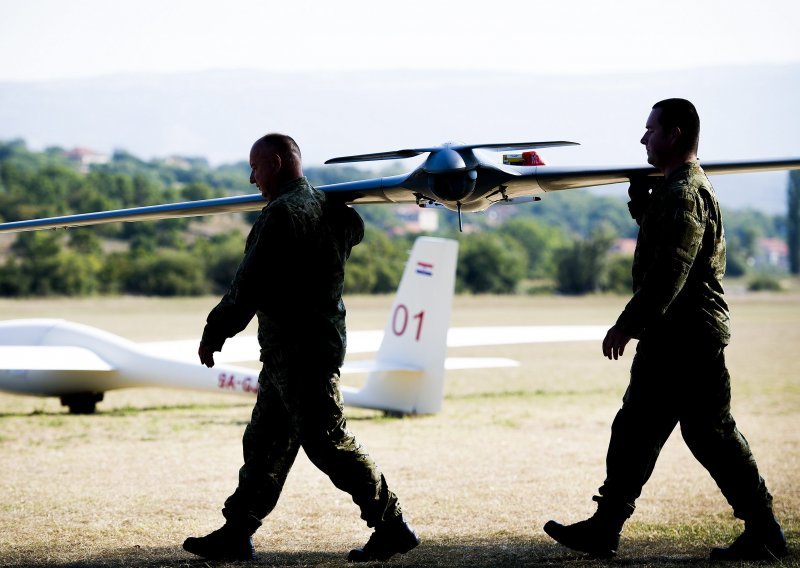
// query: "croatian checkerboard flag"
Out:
[424,268]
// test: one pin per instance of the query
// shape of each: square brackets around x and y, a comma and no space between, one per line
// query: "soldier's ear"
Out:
[276,162]
[675,134]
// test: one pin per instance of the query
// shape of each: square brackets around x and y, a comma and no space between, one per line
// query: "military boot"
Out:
[225,543]
[598,535]
[762,539]
[391,537]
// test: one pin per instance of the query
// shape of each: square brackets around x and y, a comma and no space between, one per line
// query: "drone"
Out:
[454,176]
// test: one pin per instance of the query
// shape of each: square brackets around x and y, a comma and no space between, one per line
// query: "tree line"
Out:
[563,245]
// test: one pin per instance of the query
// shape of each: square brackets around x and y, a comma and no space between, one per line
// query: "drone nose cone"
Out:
[444,160]
[451,187]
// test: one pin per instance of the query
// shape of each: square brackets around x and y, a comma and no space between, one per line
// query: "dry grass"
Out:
[511,449]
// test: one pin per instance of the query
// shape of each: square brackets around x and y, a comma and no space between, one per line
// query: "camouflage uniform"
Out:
[678,374]
[292,277]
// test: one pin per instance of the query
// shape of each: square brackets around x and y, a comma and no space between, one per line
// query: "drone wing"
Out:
[361,191]
[447,167]
[531,180]
[412,152]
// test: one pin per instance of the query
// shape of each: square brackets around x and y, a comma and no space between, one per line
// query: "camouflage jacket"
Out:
[292,275]
[679,261]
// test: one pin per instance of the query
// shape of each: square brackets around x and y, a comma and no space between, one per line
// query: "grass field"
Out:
[511,449]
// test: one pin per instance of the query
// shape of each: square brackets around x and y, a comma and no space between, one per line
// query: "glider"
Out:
[78,363]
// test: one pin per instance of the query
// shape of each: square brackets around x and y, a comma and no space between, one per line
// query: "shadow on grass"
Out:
[371,415]
[445,554]
[128,410]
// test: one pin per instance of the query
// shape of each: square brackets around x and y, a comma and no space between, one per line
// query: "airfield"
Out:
[511,449]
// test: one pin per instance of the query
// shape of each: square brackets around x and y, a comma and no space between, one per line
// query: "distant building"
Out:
[498,214]
[771,253]
[623,247]
[416,219]
[177,162]
[85,157]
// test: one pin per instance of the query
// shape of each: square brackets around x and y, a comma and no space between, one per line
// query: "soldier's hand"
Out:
[206,355]
[614,343]
[639,188]
[639,192]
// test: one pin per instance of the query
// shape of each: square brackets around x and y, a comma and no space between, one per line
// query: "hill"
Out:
[747,112]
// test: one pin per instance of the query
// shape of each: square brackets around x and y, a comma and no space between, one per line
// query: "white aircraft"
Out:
[78,363]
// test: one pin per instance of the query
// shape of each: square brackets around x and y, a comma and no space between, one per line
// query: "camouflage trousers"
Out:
[681,380]
[299,404]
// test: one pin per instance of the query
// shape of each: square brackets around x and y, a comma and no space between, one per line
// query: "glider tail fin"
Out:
[407,376]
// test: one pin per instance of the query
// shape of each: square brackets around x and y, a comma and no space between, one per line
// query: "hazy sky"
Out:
[47,39]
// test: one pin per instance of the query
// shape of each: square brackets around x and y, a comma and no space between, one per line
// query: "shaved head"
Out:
[280,144]
[274,161]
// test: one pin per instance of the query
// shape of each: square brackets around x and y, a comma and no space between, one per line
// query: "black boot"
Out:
[389,538]
[225,543]
[762,539]
[598,535]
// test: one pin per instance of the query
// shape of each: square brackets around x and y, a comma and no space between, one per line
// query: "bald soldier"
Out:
[678,375]
[291,278]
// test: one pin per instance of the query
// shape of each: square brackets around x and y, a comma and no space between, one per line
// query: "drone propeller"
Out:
[410,153]
[516,145]
[396,155]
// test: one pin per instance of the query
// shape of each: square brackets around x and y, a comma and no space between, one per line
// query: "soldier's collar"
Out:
[298,183]
[680,170]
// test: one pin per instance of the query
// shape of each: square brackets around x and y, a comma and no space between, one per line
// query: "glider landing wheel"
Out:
[82,402]
[395,414]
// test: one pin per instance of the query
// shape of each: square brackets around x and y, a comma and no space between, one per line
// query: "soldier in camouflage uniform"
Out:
[291,278]
[678,375]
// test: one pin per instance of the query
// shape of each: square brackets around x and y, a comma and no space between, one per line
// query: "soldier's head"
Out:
[672,133]
[274,160]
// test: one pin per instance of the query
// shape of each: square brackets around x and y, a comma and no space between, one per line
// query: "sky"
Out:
[55,39]
[591,44]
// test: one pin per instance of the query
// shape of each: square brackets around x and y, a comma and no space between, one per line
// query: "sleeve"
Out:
[355,224]
[677,242]
[345,221]
[251,285]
